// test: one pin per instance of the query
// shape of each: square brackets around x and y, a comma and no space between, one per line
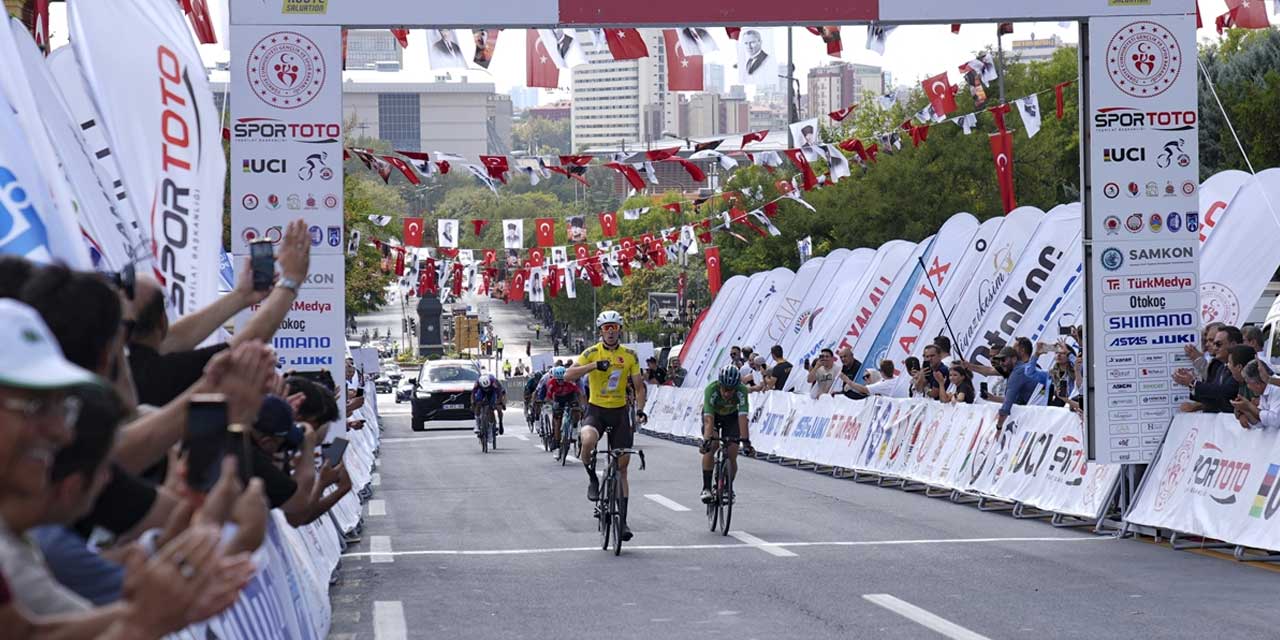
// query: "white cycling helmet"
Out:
[607,317]
[485,382]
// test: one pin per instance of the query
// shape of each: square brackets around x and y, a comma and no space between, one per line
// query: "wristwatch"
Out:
[288,283]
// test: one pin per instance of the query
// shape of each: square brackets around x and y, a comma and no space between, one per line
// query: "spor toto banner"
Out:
[813,307]
[770,332]
[1239,258]
[1040,464]
[701,356]
[1213,479]
[153,95]
[821,321]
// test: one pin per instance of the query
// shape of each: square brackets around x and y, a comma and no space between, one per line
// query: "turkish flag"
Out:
[940,93]
[998,112]
[626,44]
[797,158]
[658,253]
[553,280]
[733,32]
[630,173]
[684,73]
[840,115]
[1245,14]
[546,230]
[400,263]
[479,224]
[540,69]
[691,168]
[609,224]
[536,256]
[456,279]
[658,155]
[577,161]
[712,256]
[403,166]
[402,36]
[497,167]
[758,136]
[1002,156]
[594,275]
[628,248]
[581,252]
[1057,96]
[489,256]
[413,232]
[197,13]
[515,286]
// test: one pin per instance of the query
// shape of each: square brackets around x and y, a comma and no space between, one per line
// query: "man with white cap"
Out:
[35,419]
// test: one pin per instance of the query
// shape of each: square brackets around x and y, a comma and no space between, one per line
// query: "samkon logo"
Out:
[1160,255]
[272,165]
[1132,119]
[1151,321]
[274,129]
[1216,476]
[1124,154]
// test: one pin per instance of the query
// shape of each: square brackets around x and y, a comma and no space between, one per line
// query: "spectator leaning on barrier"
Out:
[781,368]
[1214,393]
[960,389]
[1024,376]
[653,373]
[1200,360]
[943,343]
[761,377]
[933,374]
[849,367]
[822,374]
[911,365]
[1252,336]
[1062,376]
[1263,411]
[677,372]
[886,386]
[735,355]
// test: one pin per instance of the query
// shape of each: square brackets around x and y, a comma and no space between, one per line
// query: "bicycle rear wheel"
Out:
[616,499]
[605,523]
[713,507]
[484,436]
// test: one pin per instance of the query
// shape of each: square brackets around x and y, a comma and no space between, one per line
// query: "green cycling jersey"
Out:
[713,403]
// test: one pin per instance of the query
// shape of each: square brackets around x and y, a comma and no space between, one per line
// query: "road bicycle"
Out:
[544,426]
[569,434]
[720,509]
[488,430]
[608,509]
[531,413]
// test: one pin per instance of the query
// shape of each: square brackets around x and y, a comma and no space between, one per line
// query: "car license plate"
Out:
[455,406]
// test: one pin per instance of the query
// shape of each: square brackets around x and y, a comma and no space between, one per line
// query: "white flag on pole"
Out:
[1029,108]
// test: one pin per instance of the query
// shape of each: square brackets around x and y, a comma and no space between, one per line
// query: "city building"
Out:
[837,85]
[735,115]
[700,115]
[622,101]
[1037,48]
[524,97]
[713,78]
[558,110]
[738,91]
[368,47]
[767,116]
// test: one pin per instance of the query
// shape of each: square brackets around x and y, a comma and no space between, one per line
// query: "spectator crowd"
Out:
[138,468]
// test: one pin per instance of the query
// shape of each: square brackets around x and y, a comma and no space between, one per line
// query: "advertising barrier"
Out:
[1214,479]
[1039,462]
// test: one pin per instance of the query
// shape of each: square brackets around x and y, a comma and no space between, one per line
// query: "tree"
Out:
[365,195]
[540,136]
[1242,66]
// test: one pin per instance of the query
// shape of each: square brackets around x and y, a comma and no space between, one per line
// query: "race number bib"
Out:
[614,378]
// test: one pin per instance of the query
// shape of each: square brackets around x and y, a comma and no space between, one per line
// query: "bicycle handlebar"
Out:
[617,453]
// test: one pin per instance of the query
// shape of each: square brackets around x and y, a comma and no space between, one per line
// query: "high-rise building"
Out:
[622,101]
[558,110]
[701,116]
[837,85]
[713,78]
[1037,48]
[735,115]
[466,118]
[367,47]
[524,97]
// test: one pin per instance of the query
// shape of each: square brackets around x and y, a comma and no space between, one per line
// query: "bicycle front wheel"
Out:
[605,524]
[726,502]
[616,492]
[713,507]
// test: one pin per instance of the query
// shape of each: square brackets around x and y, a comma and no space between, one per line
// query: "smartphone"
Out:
[982,390]
[205,441]
[1065,331]
[262,261]
[333,454]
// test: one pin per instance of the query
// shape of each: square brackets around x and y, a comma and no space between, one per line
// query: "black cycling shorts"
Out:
[614,422]
[726,425]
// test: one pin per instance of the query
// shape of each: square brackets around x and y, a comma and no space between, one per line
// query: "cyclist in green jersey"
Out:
[724,415]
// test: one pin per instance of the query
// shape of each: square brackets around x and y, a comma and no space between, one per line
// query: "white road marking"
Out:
[388,620]
[375,479]
[380,549]
[453,436]
[694,547]
[666,502]
[771,549]
[923,617]
[520,436]
[377,507]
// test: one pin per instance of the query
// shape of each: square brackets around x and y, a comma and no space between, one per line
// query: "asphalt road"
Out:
[459,544]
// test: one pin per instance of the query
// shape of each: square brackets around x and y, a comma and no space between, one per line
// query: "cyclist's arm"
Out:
[744,410]
[640,391]
[744,431]
[578,370]
[708,426]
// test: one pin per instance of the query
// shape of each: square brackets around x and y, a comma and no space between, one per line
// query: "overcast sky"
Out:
[912,52]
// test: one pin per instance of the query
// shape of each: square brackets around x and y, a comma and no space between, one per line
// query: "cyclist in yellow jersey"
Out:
[608,366]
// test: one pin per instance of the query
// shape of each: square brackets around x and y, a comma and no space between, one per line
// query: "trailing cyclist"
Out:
[563,395]
[608,366]
[724,415]
[531,406]
[485,396]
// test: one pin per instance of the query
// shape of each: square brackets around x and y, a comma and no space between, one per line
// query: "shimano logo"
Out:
[1154,321]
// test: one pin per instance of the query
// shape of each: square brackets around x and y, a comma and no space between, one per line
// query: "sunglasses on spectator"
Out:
[34,408]
[126,280]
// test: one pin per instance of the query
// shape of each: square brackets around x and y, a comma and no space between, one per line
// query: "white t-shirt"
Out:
[822,381]
[887,387]
[747,374]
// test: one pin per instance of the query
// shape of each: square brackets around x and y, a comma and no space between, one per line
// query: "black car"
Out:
[383,384]
[443,390]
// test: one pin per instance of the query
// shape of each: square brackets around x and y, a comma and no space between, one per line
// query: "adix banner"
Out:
[146,77]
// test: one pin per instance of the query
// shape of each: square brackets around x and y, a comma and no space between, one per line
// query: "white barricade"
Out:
[1214,479]
[1041,462]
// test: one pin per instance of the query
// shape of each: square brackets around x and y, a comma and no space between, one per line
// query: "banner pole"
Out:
[955,344]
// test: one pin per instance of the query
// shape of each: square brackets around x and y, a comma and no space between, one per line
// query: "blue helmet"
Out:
[558,374]
[729,376]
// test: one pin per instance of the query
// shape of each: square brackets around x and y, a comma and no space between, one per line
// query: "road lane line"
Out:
[375,479]
[736,545]
[453,436]
[380,549]
[520,436]
[666,502]
[771,549]
[923,617]
[377,507]
[388,620]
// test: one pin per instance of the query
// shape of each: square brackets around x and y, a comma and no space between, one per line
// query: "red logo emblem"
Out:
[1143,59]
[286,70]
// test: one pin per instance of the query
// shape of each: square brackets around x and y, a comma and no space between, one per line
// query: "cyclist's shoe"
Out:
[626,534]
[557,450]
[476,429]
[500,429]
[707,497]
[593,489]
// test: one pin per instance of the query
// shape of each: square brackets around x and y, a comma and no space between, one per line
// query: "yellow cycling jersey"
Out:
[609,388]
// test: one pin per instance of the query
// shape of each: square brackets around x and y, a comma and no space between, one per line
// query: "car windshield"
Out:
[449,373]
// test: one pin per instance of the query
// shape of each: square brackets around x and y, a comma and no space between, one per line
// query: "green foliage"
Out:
[1243,67]
[365,195]
[540,136]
